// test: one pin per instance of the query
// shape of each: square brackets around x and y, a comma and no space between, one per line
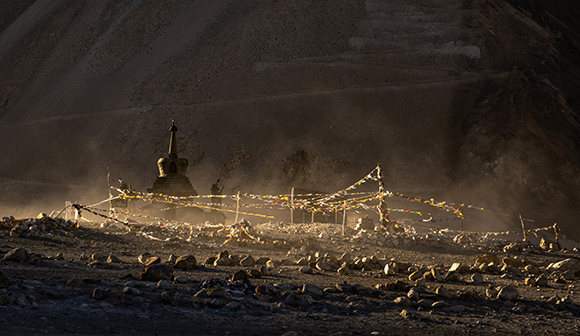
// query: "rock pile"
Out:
[42,223]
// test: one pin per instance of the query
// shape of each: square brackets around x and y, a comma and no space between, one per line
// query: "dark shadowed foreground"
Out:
[301,279]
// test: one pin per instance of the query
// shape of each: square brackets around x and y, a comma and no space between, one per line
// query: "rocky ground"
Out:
[281,279]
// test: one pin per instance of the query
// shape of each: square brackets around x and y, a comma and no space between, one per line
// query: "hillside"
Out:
[463,101]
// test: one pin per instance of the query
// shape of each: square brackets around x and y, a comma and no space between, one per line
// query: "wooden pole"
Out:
[312,220]
[237,206]
[523,227]
[383,213]
[343,218]
[292,206]
[461,224]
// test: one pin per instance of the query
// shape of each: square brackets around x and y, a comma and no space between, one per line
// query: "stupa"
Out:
[172,180]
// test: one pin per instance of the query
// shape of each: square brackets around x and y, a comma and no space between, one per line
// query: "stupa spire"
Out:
[173,140]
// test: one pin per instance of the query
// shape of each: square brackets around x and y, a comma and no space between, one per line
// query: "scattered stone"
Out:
[408,314]
[425,303]
[116,298]
[542,281]
[390,270]
[508,293]
[416,275]
[223,262]
[572,264]
[113,259]
[530,281]
[436,275]
[180,280]
[98,257]
[157,272]
[413,294]
[75,282]
[477,279]
[403,301]
[22,301]
[232,306]
[443,292]
[306,270]
[172,258]
[458,267]
[5,282]
[216,292]
[210,260]
[165,284]
[344,269]
[422,282]
[440,304]
[18,255]
[265,270]
[97,264]
[312,290]
[323,266]
[513,262]
[186,262]
[84,257]
[254,273]
[241,275]
[533,269]
[247,261]
[452,277]
[98,293]
[491,293]
[487,258]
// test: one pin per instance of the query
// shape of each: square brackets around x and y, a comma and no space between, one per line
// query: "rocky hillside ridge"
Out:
[464,101]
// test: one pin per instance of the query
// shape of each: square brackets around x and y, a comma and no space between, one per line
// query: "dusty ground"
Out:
[55,308]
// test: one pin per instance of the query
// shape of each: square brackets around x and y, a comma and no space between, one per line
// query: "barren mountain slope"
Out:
[465,101]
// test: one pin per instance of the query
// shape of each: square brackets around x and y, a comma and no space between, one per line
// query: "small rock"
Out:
[247,261]
[312,290]
[223,262]
[232,306]
[76,283]
[180,280]
[443,292]
[413,294]
[436,275]
[403,301]
[165,284]
[440,304]
[487,258]
[98,293]
[533,269]
[157,272]
[186,262]
[22,301]
[18,255]
[477,278]
[508,293]
[113,259]
[408,314]
[116,298]
[572,264]
[306,270]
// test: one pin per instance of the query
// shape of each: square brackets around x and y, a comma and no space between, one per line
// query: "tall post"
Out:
[312,220]
[383,213]
[237,206]
[461,224]
[292,206]
[343,218]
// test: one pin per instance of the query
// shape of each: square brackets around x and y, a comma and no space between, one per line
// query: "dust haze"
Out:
[453,102]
